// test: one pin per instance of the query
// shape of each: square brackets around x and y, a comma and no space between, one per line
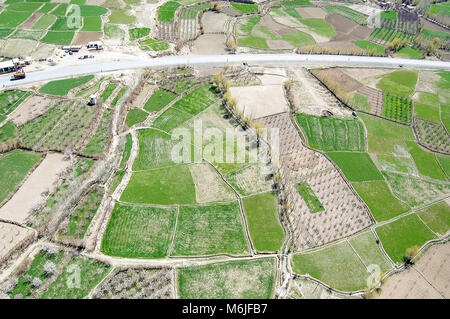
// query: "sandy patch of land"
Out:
[427,81]
[279,45]
[95,2]
[11,236]
[270,79]
[366,76]
[18,48]
[213,22]
[286,20]
[41,180]
[43,51]
[87,36]
[31,20]
[260,101]
[31,108]
[429,278]
[312,12]
[346,82]
[209,44]
[208,185]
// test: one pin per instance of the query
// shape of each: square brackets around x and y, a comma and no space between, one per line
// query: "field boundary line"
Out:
[172,239]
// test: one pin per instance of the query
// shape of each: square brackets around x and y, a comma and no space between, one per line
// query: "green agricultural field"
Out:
[5,32]
[139,231]
[11,99]
[397,108]
[197,101]
[436,217]
[137,33]
[46,8]
[402,234]
[27,34]
[298,39]
[116,180]
[61,10]
[400,83]
[245,8]
[246,25]
[159,99]
[427,107]
[166,12]
[127,150]
[297,3]
[442,9]
[389,15]
[209,230]
[444,162]
[337,266]
[370,47]
[379,127]
[332,134]
[155,150]
[135,116]
[92,11]
[238,279]
[309,197]
[9,135]
[91,273]
[425,161]
[92,24]
[360,102]
[58,37]
[102,137]
[367,248]
[401,163]
[166,186]
[25,287]
[262,217]
[351,14]
[14,166]
[435,34]
[121,17]
[24,6]
[62,87]
[109,89]
[155,45]
[170,119]
[81,217]
[118,96]
[319,26]
[409,53]
[11,19]
[293,13]
[44,22]
[382,204]
[357,167]
[415,191]
[253,42]
[63,24]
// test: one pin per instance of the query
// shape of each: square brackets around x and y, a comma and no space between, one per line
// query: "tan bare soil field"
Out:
[433,26]
[11,236]
[43,179]
[427,81]
[260,101]
[312,12]
[268,22]
[144,95]
[31,20]
[43,51]
[346,82]
[366,76]
[11,47]
[209,44]
[87,36]
[213,22]
[270,79]
[287,21]
[344,45]
[429,278]
[31,108]
[279,45]
[208,185]
[346,29]
[95,2]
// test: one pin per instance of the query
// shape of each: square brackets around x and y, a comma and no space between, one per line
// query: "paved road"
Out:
[57,72]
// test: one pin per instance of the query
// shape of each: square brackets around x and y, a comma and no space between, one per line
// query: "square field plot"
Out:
[356,166]
[402,234]
[212,229]
[11,236]
[240,279]
[260,101]
[337,266]
[166,186]
[139,231]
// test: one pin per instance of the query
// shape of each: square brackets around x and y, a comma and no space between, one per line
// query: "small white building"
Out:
[6,67]
[95,45]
